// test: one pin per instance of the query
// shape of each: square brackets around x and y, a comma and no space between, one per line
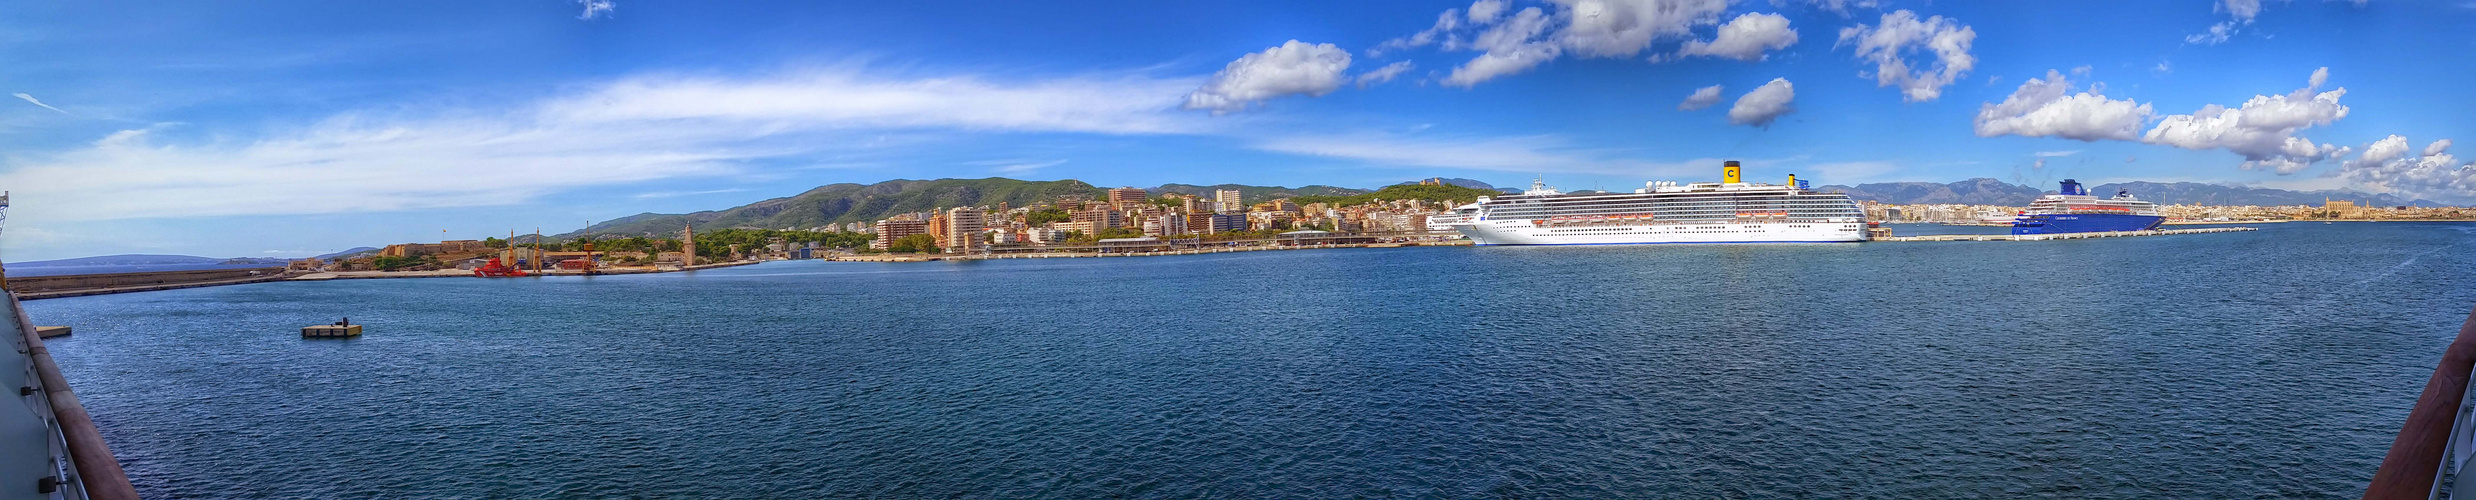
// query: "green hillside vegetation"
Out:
[842,203]
[1439,194]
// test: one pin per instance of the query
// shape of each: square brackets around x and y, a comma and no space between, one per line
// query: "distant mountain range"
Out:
[1984,191]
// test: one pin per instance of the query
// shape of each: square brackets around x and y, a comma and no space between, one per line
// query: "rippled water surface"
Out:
[2266,364]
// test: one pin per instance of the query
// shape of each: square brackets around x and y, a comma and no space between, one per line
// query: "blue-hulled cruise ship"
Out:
[2072,210]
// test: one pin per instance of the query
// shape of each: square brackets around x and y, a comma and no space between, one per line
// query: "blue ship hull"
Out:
[2083,223]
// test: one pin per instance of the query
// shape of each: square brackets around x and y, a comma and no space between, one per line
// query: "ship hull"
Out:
[2084,223]
[1523,232]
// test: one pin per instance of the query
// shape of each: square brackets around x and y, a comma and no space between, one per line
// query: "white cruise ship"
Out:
[1731,211]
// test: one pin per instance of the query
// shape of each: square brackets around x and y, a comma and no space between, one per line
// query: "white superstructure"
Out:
[1732,211]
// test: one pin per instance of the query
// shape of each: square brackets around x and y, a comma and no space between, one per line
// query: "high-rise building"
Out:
[963,225]
[1126,197]
[894,229]
[940,227]
[1228,201]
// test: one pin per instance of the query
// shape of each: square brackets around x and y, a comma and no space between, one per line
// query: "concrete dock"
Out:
[2063,236]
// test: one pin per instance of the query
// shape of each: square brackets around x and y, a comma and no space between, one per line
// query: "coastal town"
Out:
[1118,221]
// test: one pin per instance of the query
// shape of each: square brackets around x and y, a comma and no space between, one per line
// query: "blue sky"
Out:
[294,128]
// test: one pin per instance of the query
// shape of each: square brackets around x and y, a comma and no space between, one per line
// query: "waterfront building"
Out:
[1100,217]
[1222,223]
[443,247]
[1043,235]
[894,229]
[963,226]
[940,228]
[1076,227]
[1228,201]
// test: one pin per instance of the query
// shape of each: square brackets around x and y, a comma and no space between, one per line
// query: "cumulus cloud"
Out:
[1623,28]
[1745,39]
[1293,68]
[1889,44]
[1485,11]
[2262,129]
[1511,47]
[595,8]
[1523,40]
[625,131]
[30,99]
[1383,74]
[2048,108]
[1764,104]
[2387,164]
[1702,98]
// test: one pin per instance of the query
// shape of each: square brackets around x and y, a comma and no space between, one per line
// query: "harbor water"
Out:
[2274,363]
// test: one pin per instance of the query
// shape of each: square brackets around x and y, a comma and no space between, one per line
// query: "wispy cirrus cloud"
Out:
[30,98]
[676,194]
[595,8]
[1016,166]
[630,130]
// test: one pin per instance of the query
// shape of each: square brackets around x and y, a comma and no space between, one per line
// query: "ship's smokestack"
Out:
[1792,180]
[1731,174]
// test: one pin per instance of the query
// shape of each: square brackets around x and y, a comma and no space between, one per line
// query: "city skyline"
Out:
[291,129]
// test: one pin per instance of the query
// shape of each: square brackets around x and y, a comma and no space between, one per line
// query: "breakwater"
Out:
[44,287]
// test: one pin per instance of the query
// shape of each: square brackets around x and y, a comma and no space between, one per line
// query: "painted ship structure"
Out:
[1729,211]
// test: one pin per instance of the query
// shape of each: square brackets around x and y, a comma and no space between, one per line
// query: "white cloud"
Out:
[2217,34]
[1702,98]
[30,98]
[1841,6]
[628,131]
[1623,28]
[1511,47]
[2262,129]
[1589,28]
[595,8]
[1293,68]
[1018,166]
[1450,20]
[2242,13]
[1764,104]
[2387,165]
[1383,74]
[1746,38]
[1888,43]
[2320,76]
[1485,11]
[2241,10]
[676,194]
[2056,154]
[2048,108]
[1525,154]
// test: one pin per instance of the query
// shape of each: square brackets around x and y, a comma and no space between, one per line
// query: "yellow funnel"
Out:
[1731,174]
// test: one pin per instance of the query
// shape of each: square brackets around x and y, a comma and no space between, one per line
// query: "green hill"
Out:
[841,203]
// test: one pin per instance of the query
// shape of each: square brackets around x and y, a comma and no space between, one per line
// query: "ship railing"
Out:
[2438,439]
[90,471]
